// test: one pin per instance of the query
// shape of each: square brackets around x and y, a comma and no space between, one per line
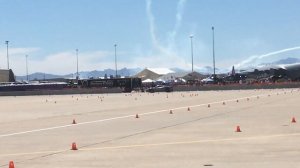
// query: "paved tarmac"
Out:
[37,131]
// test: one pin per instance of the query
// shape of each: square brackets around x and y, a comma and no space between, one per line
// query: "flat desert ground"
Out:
[37,131]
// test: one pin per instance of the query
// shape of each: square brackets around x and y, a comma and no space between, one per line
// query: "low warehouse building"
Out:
[7,75]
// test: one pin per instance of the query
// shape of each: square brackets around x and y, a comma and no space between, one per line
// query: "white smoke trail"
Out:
[179,14]
[151,19]
[258,57]
[173,34]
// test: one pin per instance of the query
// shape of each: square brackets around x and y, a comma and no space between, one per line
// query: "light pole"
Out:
[77,75]
[27,68]
[213,38]
[191,36]
[6,42]
[116,60]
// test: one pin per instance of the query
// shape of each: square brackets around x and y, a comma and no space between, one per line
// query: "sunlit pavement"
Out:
[249,128]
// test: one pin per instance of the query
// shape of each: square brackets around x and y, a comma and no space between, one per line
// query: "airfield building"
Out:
[7,75]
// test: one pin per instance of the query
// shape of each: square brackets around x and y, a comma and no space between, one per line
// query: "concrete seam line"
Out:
[157,144]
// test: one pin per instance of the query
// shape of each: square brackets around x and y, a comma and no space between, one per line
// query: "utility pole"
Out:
[77,75]
[6,42]
[116,60]
[191,36]
[214,63]
[27,68]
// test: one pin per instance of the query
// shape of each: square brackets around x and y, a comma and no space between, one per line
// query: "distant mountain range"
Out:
[82,74]
[133,71]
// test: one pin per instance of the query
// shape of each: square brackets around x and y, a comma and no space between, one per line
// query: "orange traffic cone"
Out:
[74,122]
[293,120]
[74,146]
[11,164]
[137,116]
[238,129]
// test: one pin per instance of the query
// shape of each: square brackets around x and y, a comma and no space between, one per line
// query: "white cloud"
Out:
[58,63]
[65,62]
[15,55]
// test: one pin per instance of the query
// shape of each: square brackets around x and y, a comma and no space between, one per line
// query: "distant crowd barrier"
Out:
[65,91]
[236,86]
[99,90]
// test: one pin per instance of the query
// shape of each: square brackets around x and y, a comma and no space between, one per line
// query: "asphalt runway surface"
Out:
[151,130]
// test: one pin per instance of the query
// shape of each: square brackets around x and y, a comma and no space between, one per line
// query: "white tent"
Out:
[207,80]
[147,81]
[160,80]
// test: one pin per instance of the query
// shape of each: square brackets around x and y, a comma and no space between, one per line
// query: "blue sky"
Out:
[148,33]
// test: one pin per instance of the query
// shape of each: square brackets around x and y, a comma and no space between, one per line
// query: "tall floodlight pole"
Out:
[6,42]
[213,38]
[191,37]
[77,75]
[116,60]
[27,68]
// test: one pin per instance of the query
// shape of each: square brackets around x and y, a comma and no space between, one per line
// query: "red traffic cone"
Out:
[74,122]
[293,120]
[137,116]
[11,164]
[238,129]
[74,146]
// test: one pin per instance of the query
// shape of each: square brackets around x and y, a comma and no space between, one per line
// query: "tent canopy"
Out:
[147,81]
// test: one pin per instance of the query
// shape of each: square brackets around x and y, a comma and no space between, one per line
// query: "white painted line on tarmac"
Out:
[122,117]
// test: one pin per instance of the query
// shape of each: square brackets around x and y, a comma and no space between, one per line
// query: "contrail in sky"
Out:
[173,33]
[258,57]
[152,26]
[179,13]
